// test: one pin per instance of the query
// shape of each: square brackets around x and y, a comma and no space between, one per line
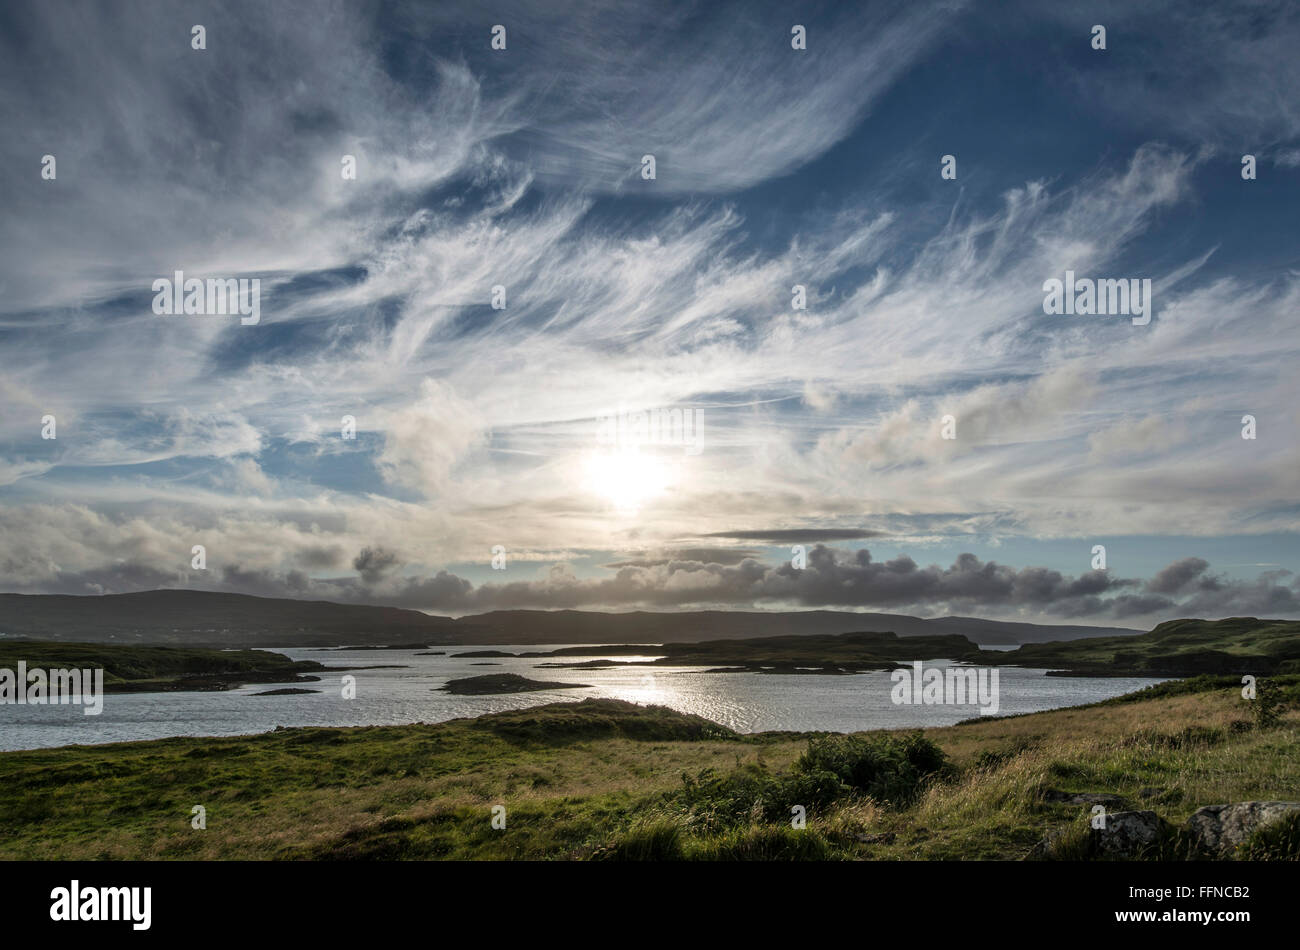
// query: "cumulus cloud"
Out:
[1174,578]
[373,563]
[855,581]
[832,579]
[424,440]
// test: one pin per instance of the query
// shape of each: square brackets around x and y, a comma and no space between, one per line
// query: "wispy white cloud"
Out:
[476,426]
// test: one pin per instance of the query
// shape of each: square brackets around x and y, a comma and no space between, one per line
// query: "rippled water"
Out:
[746,702]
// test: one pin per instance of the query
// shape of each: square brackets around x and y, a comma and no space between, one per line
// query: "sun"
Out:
[625,478]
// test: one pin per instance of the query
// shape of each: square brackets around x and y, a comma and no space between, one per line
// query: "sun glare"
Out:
[626,479]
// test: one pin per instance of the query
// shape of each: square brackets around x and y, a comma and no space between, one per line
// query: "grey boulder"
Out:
[1127,833]
[1220,829]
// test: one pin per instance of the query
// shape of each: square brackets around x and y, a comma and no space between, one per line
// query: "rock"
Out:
[1220,829]
[1085,798]
[285,692]
[1148,792]
[1127,833]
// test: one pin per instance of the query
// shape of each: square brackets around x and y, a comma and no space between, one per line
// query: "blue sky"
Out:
[521,168]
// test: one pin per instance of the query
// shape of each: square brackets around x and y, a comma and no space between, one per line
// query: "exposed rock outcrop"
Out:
[1220,829]
[1128,833]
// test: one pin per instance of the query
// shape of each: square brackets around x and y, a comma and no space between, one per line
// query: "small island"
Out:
[390,646]
[815,654]
[163,669]
[493,684]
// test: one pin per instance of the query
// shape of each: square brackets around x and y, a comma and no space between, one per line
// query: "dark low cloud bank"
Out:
[831,579]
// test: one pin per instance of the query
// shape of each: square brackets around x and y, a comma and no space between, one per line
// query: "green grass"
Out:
[602,779]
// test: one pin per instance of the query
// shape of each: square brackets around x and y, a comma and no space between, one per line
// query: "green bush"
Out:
[1266,708]
[890,769]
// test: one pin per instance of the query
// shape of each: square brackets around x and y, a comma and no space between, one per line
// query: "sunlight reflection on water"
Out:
[746,702]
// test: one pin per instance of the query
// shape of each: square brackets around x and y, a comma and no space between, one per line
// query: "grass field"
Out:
[604,779]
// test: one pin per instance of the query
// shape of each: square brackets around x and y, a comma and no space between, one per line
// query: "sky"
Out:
[574,383]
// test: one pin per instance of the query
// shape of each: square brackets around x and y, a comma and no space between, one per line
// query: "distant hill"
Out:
[205,618]
[583,626]
[1174,648]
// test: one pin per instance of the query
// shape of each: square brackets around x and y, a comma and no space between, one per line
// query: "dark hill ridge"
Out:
[206,618]
[1174,648]
[639,626]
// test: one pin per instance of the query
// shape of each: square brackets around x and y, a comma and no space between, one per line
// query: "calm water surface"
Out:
[746,702]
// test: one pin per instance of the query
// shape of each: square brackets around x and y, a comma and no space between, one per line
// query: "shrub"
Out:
[1266,709]
[891,769]
[813,790]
